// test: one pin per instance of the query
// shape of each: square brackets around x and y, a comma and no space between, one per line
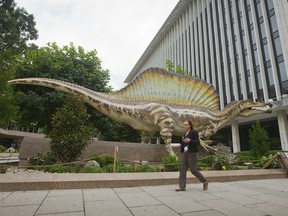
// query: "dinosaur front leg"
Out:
[166,134]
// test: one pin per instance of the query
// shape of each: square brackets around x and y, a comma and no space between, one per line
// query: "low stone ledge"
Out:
[49,181]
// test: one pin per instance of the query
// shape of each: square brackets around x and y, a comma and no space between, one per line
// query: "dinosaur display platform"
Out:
[159,101]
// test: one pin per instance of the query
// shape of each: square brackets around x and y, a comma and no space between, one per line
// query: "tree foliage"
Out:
[172,68]
[71,130]
[69,63]
[17,28]
[259,140]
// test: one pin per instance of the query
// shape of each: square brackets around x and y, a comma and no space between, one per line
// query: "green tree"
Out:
[259,140]
[69,63]
[17,28]
[172,68]
[71,130]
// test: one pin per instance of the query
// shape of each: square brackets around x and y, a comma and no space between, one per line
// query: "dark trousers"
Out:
[189,159]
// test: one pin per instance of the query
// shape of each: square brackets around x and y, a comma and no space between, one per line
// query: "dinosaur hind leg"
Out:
[204,144]
[166,134]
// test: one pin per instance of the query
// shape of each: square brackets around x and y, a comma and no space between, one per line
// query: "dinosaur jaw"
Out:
[256,108]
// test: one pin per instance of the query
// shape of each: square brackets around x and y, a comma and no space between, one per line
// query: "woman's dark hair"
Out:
[190,123]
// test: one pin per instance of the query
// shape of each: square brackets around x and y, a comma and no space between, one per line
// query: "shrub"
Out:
[71,130]
[206,161]
[2,148]
[259,140]
[221,162]
[60,169]
[146,168]
[90,169]
[42,158]
[124,169]
[275,164]
[104,160]
[171,163]
[3,170]
[108,168]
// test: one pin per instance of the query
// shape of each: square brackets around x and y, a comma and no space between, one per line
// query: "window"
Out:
[274,26]
[262,30]
[282,71]
[270,76]
[266,52]
[278,47]
[269,5]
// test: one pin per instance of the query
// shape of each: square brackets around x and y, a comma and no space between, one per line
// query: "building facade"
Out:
[240,47]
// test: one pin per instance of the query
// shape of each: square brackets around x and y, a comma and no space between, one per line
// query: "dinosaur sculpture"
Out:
[160,101]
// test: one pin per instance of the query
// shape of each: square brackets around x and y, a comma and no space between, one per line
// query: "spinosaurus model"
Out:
[160,101]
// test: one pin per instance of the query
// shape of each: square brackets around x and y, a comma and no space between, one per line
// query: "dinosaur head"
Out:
[248,108]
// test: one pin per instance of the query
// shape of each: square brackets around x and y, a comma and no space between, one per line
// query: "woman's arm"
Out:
[194,138]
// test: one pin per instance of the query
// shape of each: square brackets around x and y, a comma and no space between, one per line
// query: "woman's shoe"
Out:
[180,189]
[205,186]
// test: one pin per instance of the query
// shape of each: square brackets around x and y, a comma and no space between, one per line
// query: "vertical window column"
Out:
[249,51]
[218,53]
[211,45]
[232,51]
[260,56]
[224,52]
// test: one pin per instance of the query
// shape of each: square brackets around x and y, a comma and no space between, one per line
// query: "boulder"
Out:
[92,163]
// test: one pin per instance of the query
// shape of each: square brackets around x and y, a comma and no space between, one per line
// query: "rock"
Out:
[92,163]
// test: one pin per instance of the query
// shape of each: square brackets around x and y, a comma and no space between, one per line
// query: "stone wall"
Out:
[130,151]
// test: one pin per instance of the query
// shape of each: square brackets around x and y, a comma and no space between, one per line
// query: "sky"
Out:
[120,30]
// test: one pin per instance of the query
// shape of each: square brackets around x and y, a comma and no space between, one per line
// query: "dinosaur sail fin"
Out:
[157,85]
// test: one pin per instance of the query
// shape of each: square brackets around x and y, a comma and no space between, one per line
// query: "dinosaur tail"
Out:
[99,101]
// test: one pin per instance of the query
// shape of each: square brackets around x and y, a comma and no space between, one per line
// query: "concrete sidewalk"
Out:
[253,197]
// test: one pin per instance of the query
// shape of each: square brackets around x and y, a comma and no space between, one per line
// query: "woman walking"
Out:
[189,150]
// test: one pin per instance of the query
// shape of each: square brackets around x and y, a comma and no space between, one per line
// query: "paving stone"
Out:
[203,213]
[230,208]
[156,191]
[138,199]
[200,195]
[269,208]
[28,210]
[280,201]
[239,190]
[238,198]
[18,198]
[67,214]
[158,210]
[99,194]
[277,193]
[182,204]
[213,187]
[128,190]
[106,208]
[77,192]
[61,204]
[4,195]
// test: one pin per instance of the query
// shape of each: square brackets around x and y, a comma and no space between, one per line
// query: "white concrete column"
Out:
[259,50]
[218,53]
[213,65]
[235,137]
[271,51]
[249,50]
[231,51]
[283,128]
[240,52]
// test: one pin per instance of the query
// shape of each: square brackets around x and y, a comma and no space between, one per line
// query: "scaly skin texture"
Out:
[157,101]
